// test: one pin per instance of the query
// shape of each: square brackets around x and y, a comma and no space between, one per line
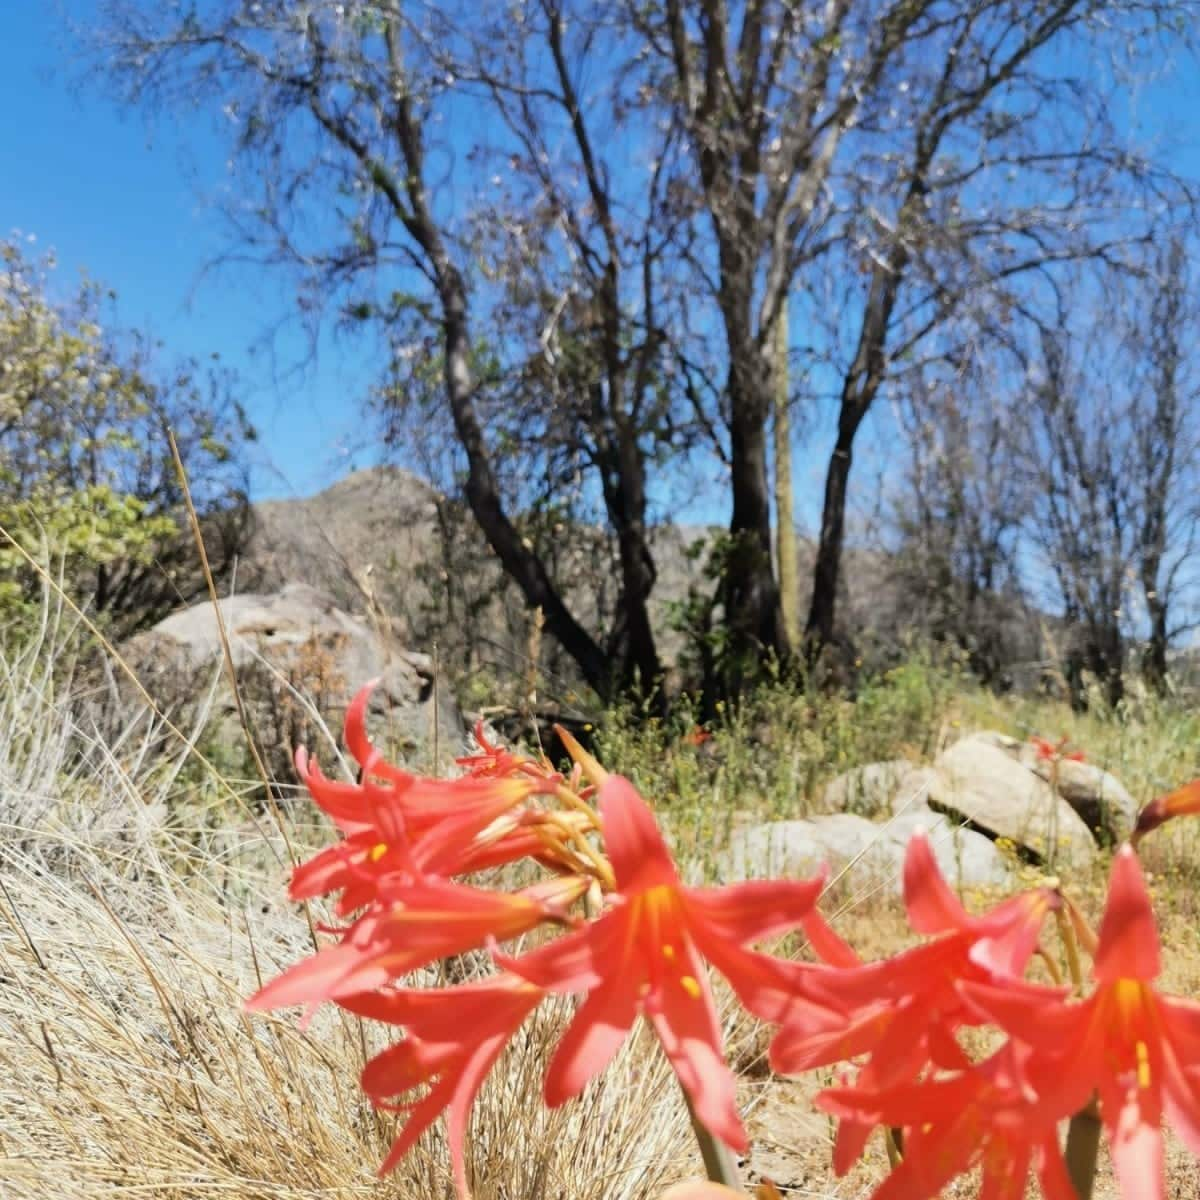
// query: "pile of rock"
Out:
[299,659]
[987,802]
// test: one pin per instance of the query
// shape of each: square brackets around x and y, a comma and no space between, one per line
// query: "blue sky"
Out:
[109,193]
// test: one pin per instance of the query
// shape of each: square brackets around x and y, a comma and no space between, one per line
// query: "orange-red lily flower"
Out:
[982,1117]
[493,761]
[1055,751]
[400,826]
[453,1037]
[901,1014]
[1183,802]
[1137,1049]
[429,920]
[645,954]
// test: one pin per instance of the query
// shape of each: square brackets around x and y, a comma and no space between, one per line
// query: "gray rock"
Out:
[967,858]
[882,787]
[982,784]
[288,647]
[871,854]
[790,849]
[1098,797]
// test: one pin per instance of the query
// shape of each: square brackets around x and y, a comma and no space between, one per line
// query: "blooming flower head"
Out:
[1049,751]
[426,921]
[901,1015]
[981,1117]
[1134,1047]
[646,954]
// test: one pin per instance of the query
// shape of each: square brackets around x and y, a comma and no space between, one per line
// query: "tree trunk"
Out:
[785,525]
[753,616]
[519,561]
[822,613]
[1154,660]
[859,388]
[625,499]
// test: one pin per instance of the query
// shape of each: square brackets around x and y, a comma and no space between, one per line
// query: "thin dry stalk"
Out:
[226,649]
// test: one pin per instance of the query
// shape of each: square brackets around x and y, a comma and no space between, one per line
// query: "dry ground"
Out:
[141,901]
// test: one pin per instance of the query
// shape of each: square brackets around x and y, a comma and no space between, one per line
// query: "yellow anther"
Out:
[1143,1065]
[668,952]
[378,851]
[690,986]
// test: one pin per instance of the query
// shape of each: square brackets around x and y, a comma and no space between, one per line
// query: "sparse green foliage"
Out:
[87,485]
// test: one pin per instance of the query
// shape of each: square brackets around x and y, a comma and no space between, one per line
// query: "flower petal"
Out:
[593,1037]
[632,840]
[751,912]
[1007,937]
[1128,944]
[420,1117]
[827,945]
[579,961]
[1136,1143]
[1033,1014]
[932,907]
[682,1012]
[1185,801]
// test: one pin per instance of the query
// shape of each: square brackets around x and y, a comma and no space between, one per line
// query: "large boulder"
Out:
[968,859]
[1098,797]
[987,787]
[870,854]
[1106,807]
[298,659]
[878,788]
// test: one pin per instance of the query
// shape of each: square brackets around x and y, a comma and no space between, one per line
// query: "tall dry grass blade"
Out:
[120,662]
[226,649]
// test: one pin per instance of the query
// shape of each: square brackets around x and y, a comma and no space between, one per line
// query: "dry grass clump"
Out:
[142,898]
[131,1069]
[128,941]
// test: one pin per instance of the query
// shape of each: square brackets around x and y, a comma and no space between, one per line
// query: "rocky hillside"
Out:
[383,541]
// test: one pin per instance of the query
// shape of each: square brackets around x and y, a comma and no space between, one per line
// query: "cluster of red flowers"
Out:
[640,947]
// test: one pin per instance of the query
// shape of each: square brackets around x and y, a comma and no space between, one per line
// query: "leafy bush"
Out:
[88,485]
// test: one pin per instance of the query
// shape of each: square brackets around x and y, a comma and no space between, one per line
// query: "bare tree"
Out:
[1111,456]
[959,511]
[768,91]
[583,246]
[987,164]
[333,107]
[1167,457]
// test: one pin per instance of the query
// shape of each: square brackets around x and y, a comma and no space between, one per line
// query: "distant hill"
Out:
[384,540]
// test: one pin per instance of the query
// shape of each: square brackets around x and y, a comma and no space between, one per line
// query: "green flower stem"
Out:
[1083,1142]
[719,1164]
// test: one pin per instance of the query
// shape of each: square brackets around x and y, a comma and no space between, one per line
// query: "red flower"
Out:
[645,955]
[1182,802]
[1050,751]
[494,761]
[426,921]
[400,827]
[982,1117]
[1138,1049]
[901,1014]
[453,1038]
